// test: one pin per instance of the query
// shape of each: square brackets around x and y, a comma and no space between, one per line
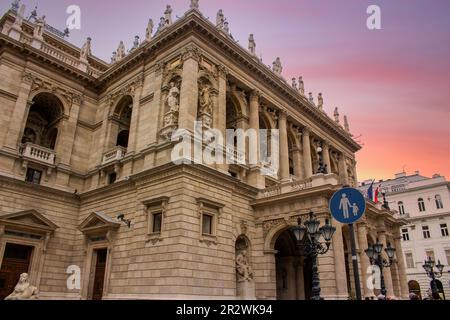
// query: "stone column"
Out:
[67,130]
[401,268]
[137,88]
[326,155]
[307,153]
[386,271]
[189,90]
[297,158]
[339,261]
[220,115]
[18,118]
[363,258]
[284,147]
[343,177]
[255,178]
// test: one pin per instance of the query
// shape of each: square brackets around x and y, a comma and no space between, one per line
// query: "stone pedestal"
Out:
[83,65]
[170,125]
[37,43]
[15,32]
[246,290]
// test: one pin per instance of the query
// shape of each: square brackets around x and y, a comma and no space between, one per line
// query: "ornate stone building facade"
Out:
[87,179]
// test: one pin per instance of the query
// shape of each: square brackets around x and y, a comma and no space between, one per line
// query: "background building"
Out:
[87,178]
[425,203]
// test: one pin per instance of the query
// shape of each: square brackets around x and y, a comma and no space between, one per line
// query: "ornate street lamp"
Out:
[376,258]
[429,269]
[312,246]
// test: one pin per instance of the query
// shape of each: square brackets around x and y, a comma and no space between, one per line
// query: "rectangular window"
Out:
[207,224]
[426,232]
[430,253]
[405,234]
[409,260]
[157,222]
[112,177]
[444,230]
[33,176]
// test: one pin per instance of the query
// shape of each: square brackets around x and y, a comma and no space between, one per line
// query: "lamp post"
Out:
[429,269]
[312,246]
[376,258]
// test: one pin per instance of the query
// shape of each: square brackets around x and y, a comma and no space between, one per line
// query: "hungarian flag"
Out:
[376,194]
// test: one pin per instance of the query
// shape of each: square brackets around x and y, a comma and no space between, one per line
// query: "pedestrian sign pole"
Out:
[348,206]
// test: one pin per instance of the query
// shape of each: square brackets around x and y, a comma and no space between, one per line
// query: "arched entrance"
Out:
[414,287]
[293,272]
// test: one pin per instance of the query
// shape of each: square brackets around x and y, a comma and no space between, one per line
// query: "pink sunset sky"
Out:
[393,83]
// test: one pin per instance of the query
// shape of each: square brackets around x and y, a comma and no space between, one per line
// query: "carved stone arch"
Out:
[175,75]
[209,77]
[273,234]
[121,104]
[64,103]
[269,119]
[293,137]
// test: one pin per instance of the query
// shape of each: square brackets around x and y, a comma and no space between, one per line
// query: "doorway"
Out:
[16,260]
[99,277]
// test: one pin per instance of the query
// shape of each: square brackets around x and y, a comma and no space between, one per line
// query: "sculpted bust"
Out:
[23,290]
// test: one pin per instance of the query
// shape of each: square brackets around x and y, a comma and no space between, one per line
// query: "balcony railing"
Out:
[236,156]
[114,155]
[38,153]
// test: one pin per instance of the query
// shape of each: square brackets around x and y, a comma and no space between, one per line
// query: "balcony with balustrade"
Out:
[33,152]
[116,154]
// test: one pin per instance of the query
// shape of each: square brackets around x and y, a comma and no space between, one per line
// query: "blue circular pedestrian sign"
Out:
[347,205]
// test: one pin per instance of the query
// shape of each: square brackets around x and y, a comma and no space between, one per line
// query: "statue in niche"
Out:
[86,49]
[205,100]
[120,51]
[173,98]
[23,290]
[243,268]
[39,27]
[220,19]
[149,30]
[320,102]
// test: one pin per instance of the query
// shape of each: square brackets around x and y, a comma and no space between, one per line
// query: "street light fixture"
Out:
[322,167]
[429,269]
[376,258]
[312,246]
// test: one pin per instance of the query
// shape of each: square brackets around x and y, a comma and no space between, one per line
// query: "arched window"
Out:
[421,204]
[401,208]
[122,138]
[43,121]
[438,200]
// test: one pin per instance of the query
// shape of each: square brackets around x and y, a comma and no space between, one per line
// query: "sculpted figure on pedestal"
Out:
[301,86]
[173,98]
[39,27]
[320,101]
[205,100]
[23,290]
[220,19]
[243,268]
[121,51]
[194,4]
[168,15]
[149,30]
[251,44]
[86,49]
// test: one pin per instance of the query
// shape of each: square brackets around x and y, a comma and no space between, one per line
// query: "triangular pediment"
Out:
[30,220]
[98,221]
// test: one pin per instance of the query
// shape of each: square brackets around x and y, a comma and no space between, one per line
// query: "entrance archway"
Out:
[293,272]
[414,287]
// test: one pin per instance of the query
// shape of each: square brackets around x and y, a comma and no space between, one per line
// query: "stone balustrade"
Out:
[116,154]
[38,153]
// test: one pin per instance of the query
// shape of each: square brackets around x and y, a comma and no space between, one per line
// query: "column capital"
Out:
[283,114]
[222,71]
[325,144]
[191,52]
[255,95]
[306,131]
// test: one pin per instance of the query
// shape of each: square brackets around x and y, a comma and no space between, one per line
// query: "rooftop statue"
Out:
[121,51]
[194,4]
[149,30]
[135,43]
[226,27]
[114,57]
[320,102]
[39,27]
[168,15]
[277,67]
[301,86]
[311,98]
[23,290]
[86,49]
[336,115]
[162,24]
[346,125]
[220,19]
[294,83]
[252,44]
